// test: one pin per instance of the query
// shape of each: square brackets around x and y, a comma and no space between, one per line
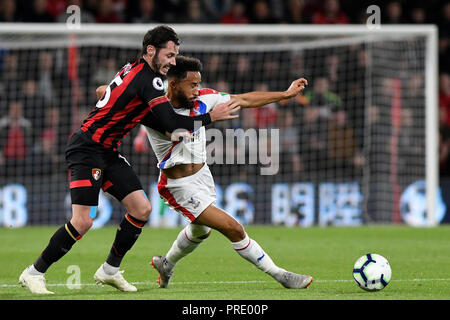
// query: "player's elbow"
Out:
[100,91]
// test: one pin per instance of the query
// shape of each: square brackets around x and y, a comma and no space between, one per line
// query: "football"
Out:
[372,272]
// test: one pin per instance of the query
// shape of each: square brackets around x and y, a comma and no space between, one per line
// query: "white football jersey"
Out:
[188,149]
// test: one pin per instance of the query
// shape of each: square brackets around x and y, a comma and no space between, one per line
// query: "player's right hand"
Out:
[224,111]
[296,87]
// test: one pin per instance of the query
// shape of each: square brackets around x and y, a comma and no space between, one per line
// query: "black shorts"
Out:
[91,167]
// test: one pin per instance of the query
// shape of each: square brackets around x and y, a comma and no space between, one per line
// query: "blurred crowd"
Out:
[329,134]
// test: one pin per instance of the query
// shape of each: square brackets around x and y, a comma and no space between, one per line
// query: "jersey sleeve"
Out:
[213,98]
[170,121]
[150,88]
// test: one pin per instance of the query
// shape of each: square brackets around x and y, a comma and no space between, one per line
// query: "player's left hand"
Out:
[296,87]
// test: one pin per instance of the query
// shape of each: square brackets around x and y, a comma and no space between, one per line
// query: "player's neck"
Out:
[149,61]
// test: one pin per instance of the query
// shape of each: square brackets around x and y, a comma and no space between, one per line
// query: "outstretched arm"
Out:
[256,99]
[173,121]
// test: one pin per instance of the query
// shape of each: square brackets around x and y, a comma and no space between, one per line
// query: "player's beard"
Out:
[156,64]
[184,102]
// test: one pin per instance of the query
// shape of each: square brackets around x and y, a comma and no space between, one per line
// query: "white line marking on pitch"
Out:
[220,282]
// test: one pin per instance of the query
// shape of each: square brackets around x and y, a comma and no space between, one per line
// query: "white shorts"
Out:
[189,195]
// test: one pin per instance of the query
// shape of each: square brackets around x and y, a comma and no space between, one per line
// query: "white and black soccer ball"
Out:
[372,272]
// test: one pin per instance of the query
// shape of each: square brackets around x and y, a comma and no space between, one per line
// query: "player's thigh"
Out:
[221,221]
[121,182]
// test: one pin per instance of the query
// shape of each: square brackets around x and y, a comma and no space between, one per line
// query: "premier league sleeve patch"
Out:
[158,84]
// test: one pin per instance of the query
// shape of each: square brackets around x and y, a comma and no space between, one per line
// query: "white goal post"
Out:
[308,37]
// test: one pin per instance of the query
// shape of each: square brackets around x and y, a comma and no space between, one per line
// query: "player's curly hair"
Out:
[158,37]
[183,66]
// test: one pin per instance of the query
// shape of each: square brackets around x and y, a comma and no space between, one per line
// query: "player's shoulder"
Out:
[148,76]
[206,91]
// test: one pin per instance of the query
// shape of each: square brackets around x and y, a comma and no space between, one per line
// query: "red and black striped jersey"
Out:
[135,89]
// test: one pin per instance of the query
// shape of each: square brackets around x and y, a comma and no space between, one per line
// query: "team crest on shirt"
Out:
[158,83]
[96,173]
[195,203]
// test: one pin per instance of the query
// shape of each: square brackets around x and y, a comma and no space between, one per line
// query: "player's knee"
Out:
[143,211]
[82,225]
[235,231]
[199,232]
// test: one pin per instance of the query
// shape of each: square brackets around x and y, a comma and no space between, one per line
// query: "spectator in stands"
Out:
[393,13]
[289,143]
[331,13]
[313,140]
[342,149]
[10,78]
[105,72]
[46,76]
[147,12]
[85,15]
[9,12]
[261,13]
[38,12]
[240,75]
[47,157]
[236,15]
[444,96]
[214,67]
[444,38]
[267,116]
[194,13]
[418,14]
[57,7]
[295,12]
[216,9]
[34,106]
[106,12]
[322,97]
[444,143]
[15,140]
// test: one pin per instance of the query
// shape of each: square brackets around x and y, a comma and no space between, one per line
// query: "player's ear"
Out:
[151,50]
[172,83]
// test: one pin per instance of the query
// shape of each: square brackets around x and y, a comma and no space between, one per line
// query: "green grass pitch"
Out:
[419,257]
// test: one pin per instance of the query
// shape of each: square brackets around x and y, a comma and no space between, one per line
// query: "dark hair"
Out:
[158,37]
[183,66]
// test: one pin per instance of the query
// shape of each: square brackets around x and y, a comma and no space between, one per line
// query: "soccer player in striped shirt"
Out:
[94,162]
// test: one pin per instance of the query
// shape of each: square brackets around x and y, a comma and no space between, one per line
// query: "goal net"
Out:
[358,147]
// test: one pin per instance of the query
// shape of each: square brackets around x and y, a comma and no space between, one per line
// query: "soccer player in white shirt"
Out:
[185,181]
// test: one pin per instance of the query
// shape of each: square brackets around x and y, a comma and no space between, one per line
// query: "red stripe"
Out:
[163,191]
[115,94]
[133,221]
[396,120]
[204,91]
[108,184]
[116,118]
[80,183]
[185,234]
[157,101]
[249,240]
